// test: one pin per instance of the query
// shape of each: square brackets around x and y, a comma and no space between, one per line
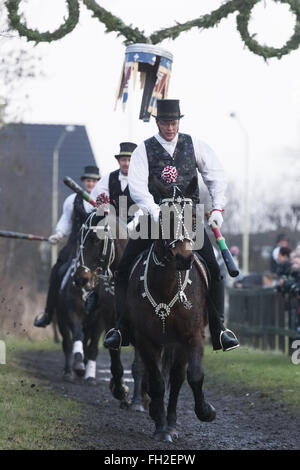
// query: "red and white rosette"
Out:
[169,174]
[103,200]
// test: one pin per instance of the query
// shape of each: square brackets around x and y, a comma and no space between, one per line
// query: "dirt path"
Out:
[244,421]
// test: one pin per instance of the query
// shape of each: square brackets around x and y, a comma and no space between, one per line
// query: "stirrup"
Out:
[234,337]
[112,330]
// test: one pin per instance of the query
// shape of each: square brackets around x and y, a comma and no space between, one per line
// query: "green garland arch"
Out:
[33,34]
[134,35]
[293,43]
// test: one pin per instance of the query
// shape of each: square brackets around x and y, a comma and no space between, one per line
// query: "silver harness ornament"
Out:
[163,310]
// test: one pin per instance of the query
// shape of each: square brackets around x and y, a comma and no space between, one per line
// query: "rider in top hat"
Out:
[115,184]
[75,212]
[190,156]
[109,189]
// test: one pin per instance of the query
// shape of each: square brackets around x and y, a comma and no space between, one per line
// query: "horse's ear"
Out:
[160,187]
[190,190]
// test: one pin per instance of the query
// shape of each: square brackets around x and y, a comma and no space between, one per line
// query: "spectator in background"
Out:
[295,259]
[283,261]
[251,281]
[282,241]
[269,280]
[235,251]
[257,280]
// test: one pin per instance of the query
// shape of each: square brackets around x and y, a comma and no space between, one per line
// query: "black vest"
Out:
[183,159]
[115,191]
[79,217]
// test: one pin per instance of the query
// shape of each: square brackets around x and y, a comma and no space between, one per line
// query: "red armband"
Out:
[219,210]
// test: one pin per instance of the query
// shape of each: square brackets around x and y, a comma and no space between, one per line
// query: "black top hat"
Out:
[126,149]
[168,110]
[91,172]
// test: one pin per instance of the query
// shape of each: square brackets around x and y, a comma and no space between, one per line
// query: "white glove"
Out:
[155,213]
[132,225]
[55,238]
[216,216]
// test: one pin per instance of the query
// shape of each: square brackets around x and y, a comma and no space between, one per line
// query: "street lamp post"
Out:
[246,196]
[55,172]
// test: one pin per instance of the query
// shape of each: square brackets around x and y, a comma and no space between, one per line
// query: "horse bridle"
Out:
[184,235]
[162,310]
[85,230]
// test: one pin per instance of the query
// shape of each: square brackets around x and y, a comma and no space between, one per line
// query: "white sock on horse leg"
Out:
[90,370]
[78,347]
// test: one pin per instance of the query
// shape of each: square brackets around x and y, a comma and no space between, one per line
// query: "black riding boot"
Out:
[119,336]
[221,338]
[43,320]
[46,317]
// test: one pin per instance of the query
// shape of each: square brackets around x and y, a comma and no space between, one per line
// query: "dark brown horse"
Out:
[97,259]
[166,305]
[93,269]
[74,323]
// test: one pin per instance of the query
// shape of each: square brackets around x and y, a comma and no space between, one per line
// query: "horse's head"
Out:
[83,278]
[175,233]
[96,252]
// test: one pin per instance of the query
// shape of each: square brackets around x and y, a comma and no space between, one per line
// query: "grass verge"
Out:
[272,374]
[31,415]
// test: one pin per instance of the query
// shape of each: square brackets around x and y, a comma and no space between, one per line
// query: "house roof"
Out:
[26,151]
[74,154]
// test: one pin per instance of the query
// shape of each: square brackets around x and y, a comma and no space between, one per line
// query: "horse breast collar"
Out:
[163,310]
[202,269]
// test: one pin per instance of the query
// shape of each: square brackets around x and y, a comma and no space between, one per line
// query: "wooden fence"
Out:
[263,318]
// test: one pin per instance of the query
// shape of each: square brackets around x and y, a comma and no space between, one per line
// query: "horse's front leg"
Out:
[67,347]
[118,389]
[150,355]
[195,376]
[91,354]
[78,338]
[177,377]
[137,370]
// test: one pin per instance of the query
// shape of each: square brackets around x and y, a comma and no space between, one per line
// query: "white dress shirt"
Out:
[103,187]
[64,225]
[207,162]
[275,253]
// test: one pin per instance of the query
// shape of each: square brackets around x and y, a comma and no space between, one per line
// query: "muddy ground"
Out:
[245,421]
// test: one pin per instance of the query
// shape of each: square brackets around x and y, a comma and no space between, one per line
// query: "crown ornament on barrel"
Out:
[155,65]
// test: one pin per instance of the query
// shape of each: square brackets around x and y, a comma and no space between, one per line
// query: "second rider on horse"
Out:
[75,212]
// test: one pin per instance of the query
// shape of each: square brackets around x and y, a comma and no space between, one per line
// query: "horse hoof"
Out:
[173,433]
[79,368]
[119,393]
[163,436]
[207,413]
[124,405]
[68,377]
[90,381]
[137,407]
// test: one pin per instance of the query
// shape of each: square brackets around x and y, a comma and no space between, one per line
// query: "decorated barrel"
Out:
[155,65]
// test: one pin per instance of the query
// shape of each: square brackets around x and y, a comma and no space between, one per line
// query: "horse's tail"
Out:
[167,362]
